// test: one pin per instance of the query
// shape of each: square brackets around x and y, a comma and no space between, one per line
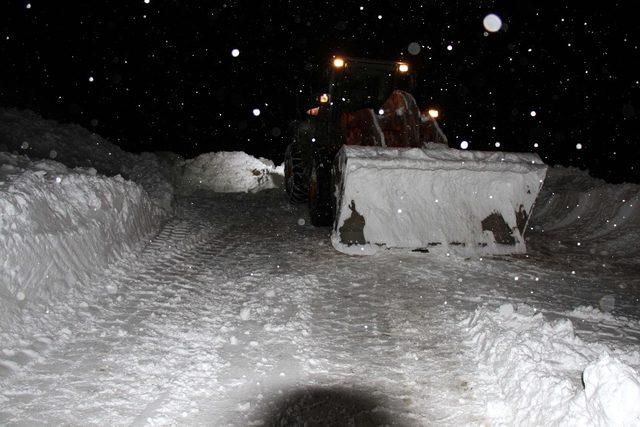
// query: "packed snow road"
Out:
[239,313]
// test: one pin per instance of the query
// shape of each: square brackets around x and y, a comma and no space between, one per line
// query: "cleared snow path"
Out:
[235,314]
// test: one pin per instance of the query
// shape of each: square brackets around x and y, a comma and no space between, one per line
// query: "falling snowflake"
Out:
[256,112]
[492,23]
[414,48]
[235,53]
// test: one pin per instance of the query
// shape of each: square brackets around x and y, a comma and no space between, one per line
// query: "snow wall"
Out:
[62,223]
[59,228]
[588,214]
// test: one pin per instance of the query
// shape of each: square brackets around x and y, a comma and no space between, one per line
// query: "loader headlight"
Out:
[338,62]
[324,98]
[433,113]
[403,68]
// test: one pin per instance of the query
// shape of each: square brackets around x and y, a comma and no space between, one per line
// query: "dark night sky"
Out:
[163,77]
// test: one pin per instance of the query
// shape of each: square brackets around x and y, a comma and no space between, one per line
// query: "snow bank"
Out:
[531,372]
[58,227]
[25,132]
[230,172]
[578,209]
[436,200]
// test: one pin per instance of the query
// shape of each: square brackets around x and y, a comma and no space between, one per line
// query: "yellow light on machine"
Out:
[338,62]
[324,98]
[433,113]
[403,68]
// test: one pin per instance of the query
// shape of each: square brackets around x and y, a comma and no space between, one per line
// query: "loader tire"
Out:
[320,202]
[296,177]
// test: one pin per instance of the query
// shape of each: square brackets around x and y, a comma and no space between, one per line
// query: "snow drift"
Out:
[531,372]
[58,227]
[230,172]
[589,215]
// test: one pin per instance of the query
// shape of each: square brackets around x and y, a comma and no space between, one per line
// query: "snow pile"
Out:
[531,371]
[230,172]
[25,132]
[436,200]
[612,392]
[57,228]
[604,219]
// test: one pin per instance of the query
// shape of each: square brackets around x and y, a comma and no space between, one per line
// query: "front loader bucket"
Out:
[433,200]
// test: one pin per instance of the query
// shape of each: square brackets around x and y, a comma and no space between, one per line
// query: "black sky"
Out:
[163,77]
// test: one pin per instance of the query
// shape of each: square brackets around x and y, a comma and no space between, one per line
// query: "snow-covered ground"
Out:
[227,309]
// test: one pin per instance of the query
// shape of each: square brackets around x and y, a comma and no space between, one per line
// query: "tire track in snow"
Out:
[390,312]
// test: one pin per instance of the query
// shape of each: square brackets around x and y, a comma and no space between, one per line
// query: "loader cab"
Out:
[351,84]
[356,83]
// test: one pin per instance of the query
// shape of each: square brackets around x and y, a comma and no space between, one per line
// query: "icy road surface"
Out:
[236,314]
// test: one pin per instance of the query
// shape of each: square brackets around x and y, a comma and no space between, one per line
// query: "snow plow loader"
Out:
[378,170]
